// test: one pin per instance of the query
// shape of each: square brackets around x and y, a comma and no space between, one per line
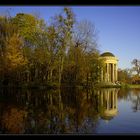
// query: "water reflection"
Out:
[69,110]
[109,103]
[135,98]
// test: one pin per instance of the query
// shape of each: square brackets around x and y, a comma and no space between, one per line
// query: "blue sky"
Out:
[118,26]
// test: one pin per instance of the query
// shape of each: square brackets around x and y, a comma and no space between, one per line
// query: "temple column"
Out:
[110,72]
[101,75]
[113,73]
[116,73]
[107,72]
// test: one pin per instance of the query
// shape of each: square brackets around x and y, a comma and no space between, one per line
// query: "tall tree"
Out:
[14,58]
[28,26]
[7,30]
[82,57]
[63,24]
[136,66]
[85,36]
[14,53]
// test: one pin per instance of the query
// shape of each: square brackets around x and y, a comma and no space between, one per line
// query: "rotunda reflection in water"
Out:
[108,103]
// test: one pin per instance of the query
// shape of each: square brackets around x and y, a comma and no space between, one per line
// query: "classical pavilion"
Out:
[110,73]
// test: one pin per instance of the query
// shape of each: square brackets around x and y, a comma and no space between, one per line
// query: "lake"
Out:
[70,111]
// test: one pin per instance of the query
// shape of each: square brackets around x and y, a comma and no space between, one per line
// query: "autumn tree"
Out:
[124,76]
[82,60]
[63,51]
[28,26]
[8,40]
[14,58]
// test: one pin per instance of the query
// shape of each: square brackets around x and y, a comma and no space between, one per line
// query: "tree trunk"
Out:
[61,69]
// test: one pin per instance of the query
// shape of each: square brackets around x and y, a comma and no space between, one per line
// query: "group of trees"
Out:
[132,75]
[35,52]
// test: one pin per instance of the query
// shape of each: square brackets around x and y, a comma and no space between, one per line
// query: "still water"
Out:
[70,111]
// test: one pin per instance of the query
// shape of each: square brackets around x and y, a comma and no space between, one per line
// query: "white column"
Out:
[113,73]
[101,75]
[110,71]
[105,76]
[107,72]
[116,73]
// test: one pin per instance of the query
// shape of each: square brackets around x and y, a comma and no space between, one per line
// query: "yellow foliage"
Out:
[14,54]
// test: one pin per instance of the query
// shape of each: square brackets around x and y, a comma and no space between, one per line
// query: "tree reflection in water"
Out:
[132,95]
[69,110]
[135,98]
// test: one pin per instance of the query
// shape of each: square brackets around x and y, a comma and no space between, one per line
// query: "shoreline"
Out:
[124,86]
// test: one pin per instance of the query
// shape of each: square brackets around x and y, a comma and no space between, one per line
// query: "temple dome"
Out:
[106,54]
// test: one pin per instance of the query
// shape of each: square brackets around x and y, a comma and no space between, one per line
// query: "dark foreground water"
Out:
[70,111]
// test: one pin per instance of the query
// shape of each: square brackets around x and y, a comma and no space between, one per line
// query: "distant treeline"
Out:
[33,52]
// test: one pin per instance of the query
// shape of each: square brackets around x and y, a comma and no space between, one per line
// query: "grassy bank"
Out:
[108,85]
[121,86]
[56,86]
[130,86]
